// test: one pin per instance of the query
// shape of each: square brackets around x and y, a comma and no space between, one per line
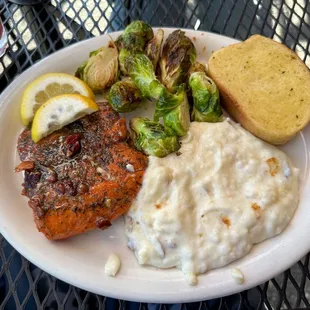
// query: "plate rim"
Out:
[138,297]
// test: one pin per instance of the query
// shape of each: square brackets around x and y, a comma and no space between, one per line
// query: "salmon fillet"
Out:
[82,176]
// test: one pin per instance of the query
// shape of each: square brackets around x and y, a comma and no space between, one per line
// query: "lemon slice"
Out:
[48,86]
[58,112]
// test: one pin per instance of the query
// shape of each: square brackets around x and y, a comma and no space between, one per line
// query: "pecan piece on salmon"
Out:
[76,178]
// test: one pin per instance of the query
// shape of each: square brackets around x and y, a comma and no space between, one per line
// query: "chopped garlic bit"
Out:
[237,275]
[108,202]
[112,265]
[100,170]
[130,168]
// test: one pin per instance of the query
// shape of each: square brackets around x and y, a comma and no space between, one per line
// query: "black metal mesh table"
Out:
[37,31]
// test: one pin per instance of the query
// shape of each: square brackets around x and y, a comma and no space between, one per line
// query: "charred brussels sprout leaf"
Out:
[153,48]
[142,72]
[175,110]
[206,98]
[100,71]
[153,138]
[124,96]
[178,55]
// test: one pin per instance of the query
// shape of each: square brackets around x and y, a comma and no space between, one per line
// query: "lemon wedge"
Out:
[58,112]
[48,86]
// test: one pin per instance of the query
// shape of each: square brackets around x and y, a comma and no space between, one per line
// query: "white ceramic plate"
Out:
[80,260]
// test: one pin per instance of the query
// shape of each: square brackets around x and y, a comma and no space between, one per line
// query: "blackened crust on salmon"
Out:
[77,176]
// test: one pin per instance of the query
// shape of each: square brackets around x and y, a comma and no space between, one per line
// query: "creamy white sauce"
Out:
[207,207]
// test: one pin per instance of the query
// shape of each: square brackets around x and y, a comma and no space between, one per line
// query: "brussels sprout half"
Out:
[178,55]
[124,96]
[206,98]
[153,48]
[100,71]
[133,40]
[179,119]
[153,138]
[174,109]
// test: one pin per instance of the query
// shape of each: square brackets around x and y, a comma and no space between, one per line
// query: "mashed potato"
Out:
[206,205]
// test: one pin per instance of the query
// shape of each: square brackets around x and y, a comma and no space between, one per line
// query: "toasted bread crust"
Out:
[275,129]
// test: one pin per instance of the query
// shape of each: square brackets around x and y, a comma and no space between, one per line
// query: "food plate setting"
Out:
[189,180]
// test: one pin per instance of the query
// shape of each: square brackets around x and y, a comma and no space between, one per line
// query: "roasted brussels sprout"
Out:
[178,54]
[133,40]
[139,29]
[141,71]
[206,98]
[124,96]
[153,138]
[174,109]
[153,48]
[100,71]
